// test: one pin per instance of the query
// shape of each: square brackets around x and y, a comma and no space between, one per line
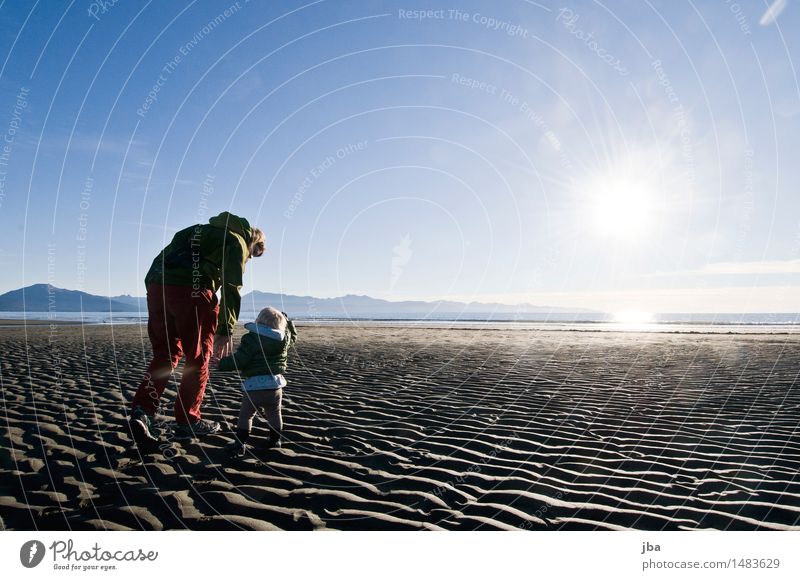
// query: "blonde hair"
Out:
[273,318]
[258,244]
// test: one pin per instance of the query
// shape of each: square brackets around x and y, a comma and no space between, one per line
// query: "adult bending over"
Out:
[185,319]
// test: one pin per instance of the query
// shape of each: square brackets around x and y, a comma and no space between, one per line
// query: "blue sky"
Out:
[620,156]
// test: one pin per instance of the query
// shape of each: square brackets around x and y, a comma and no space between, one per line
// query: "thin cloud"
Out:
[783,298]
[752,268]
[739,269]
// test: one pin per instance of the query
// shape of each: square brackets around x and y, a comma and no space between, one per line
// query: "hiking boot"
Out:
[141,429]
[196,430]
[236,449]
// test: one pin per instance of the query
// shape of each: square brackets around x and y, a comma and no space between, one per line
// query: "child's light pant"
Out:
[267,402]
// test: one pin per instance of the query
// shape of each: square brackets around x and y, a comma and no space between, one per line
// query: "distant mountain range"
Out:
[45,298]
[352,305]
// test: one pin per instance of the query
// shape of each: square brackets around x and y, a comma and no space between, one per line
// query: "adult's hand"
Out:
[222,347]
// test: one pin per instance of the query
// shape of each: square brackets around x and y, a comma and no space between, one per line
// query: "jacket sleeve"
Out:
[238,360]
[290,328]
[232,276]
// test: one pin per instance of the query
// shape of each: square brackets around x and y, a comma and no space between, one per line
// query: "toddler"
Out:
[261,360]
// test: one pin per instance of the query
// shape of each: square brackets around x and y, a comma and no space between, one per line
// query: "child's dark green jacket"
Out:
[262,351]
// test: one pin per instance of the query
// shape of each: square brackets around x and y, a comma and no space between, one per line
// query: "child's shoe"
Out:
[274,441]
[236,449]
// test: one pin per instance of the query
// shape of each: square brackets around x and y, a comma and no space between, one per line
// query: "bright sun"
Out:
[619,208]
[620,199]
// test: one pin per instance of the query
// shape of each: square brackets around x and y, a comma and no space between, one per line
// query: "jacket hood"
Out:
[234,223]
[265,331]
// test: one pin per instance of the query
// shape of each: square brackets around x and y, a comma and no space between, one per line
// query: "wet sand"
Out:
[31,322]
[398,428]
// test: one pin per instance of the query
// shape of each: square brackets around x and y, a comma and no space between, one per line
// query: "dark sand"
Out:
[392,428]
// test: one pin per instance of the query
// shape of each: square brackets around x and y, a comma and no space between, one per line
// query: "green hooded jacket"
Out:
[262,351]
[208,257]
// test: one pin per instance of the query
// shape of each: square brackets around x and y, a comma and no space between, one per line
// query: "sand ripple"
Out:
[416,429]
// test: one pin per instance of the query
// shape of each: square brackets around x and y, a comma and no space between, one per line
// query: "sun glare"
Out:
[633,317]
[620,199]
[620,208]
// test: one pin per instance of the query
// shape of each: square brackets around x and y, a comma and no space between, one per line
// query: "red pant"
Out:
[181,323]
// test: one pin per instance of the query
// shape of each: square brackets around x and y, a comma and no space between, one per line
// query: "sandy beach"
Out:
[415,428]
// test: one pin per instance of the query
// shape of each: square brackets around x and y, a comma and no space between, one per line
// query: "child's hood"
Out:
[265,331]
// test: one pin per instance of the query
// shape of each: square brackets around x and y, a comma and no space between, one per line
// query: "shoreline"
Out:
[13,322]
[700,329]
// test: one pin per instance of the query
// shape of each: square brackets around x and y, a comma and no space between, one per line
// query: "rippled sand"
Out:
[396,428]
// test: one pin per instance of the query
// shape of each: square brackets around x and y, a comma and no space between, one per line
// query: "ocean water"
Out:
[725,323]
